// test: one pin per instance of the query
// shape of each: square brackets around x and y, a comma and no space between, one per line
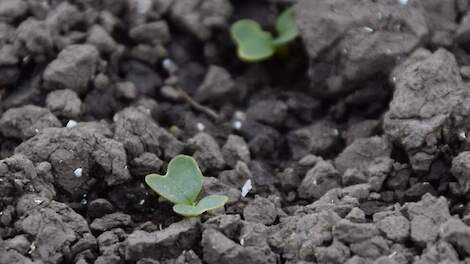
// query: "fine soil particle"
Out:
[352,147]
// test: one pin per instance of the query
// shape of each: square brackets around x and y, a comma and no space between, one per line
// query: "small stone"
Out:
[217,85]
[395,227]
[161,244]
[349,232]
[461,170]
[260,210]
[318,180]
[101,39]
[207,152]
[110,221]
[356,215]
[73,69]
[236,149]
[271,112]
[457,233]
[315,139]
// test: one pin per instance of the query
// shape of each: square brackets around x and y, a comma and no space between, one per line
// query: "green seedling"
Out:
[254,44]
[181,185]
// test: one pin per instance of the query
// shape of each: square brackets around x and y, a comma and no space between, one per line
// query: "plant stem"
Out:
[197,105]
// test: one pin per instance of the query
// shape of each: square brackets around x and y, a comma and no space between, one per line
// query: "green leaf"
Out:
[182,182]
[253,43]
[208,203]
[286,27]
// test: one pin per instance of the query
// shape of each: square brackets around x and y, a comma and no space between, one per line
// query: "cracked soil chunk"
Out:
[73,69]
[427,88]
[81,147]
[26,121]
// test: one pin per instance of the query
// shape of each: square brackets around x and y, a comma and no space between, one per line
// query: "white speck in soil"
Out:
[200,126]
[335,132]
[393,254]
[237,125]
[32,248]
[71,123]
[463,135]
[368,29]
[84,201]
[240,115]
[78,172]
[36,130]
[169,66]
[246,188]
[125,167]
[160,226]
[394,79]
[242,241]
[38,201]
[142,202]
[403,2]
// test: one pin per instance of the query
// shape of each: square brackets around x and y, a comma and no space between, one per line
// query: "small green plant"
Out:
[181,185]
[254,44]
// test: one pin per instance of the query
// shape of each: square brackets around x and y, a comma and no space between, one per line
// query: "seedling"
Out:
[181,185]
[254,44]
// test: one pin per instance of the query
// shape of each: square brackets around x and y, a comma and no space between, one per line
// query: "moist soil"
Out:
[352,147]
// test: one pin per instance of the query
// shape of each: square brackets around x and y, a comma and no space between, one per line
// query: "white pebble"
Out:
[237,125]
[71,123]
[242,241]
[142,202]
[38,201]
[335,132]
[368,29]
[240,115]
[32,248]
[246,188]
[403,2]
[78,172]
[200,126]
[36,130]
[169,66]
[463,135]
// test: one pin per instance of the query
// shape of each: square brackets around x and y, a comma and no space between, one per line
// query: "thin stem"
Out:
[197,105]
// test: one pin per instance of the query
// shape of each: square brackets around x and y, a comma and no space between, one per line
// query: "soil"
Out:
[351,148]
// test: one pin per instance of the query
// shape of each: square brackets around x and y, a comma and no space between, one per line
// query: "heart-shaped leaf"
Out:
[208,203]
[253,43]
[182,182]
[286,28]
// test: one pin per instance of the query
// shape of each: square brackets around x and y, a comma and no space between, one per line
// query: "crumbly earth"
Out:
[353,148]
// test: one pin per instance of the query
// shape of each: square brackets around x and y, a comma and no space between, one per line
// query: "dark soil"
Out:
[355,144]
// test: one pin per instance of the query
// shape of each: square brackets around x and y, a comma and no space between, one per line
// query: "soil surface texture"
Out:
[351,148]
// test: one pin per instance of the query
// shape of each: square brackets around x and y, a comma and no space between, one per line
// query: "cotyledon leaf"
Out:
[182,182]
[253,43]
[208,203]
[286,28]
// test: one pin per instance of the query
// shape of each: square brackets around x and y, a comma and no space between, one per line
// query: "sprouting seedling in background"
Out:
[254,44]
[181,185]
